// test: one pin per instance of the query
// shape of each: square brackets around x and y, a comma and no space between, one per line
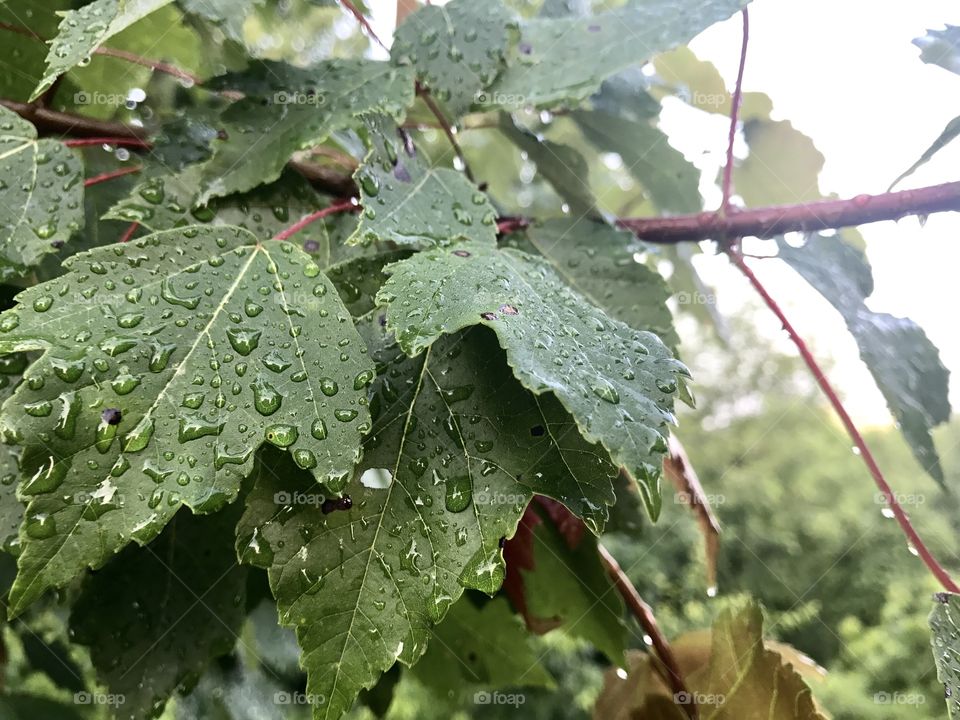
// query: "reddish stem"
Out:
[734,117]
[129,232]
[364,23]
[121,141]
[424,94]
[156,65]
[343,206]
[644,614]
[507,225]
[104,177]
[902,519]
[769,222]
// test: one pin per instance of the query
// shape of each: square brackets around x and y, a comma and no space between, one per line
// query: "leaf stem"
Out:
[424,94]
[104,177]
[128,235]
[342,206]
[644,613]
[901,516]
[122,141]
[364,23]
[734,117]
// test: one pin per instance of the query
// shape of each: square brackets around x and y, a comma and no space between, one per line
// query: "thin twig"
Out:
[120,141]
[104,177]
[342,206]
[128,234]
[424,94]
[734,118]
[644,613]
[364,23]
[902,519]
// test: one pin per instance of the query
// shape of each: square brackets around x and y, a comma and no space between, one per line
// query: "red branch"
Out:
[424,94]
[769,222]
[104,177]
[364,23]
[734,116]
[343,206]
[121,141]
[128,234]
[644,614]
[858,441]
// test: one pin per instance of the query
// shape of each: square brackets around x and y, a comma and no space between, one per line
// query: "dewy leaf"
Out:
[407,201]
[154,617]
[455,452]
[560,165]
[228,15]
[941,47]
[564,60]
[904,363]
[458,49]
[481,646]
[41,196]
[618,383]
[949,134]
[11,508]
[168,361]
[671,180]
[287,109]
[599,262]
[945,626]
[83,31]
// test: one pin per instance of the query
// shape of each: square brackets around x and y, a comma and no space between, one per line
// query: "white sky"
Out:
[845,73]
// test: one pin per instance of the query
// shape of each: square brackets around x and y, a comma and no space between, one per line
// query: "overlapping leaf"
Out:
[406,200]
[167,362]
[949,134]
[904,363]
[941,47]
[154,618]
[618,383]
[564,60]
[41,197]
[945,626]
[458,49]
[456,450]
[82,31]
[11,509]
[287,109]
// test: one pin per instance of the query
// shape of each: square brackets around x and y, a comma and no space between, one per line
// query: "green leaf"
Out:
[20,706]
[598,261]
[564,60]
[448,468]
[618,383]
[155,617]
[783,165]
[83,31]
[560,165]
[41,205]
[670,179]
[287,109]
[168,361]
[11,509]
[228,15]
[941,47]
[753,680]
[24,56]
[458,49]
[481,646]
[945,627]
[949,134]
[407,201]
[904,363]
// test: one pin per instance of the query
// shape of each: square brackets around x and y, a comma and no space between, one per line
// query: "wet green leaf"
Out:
[904,363]
[456,450]
[41,199]
[618,383]
[167,362]
[11,509]
[155,617]
[945,627]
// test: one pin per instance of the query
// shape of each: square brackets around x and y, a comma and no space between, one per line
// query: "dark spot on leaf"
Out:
[333,504]
[488,316]
[594,28]
[462,253]
[222,134]
[57,244]
[408,147]
[472,656]
[111,416]
[509,310]
[401,173]
[383,319]
[503,541]
[537,430]
[483,186]
[942,597]
[311,246]
[525,48]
